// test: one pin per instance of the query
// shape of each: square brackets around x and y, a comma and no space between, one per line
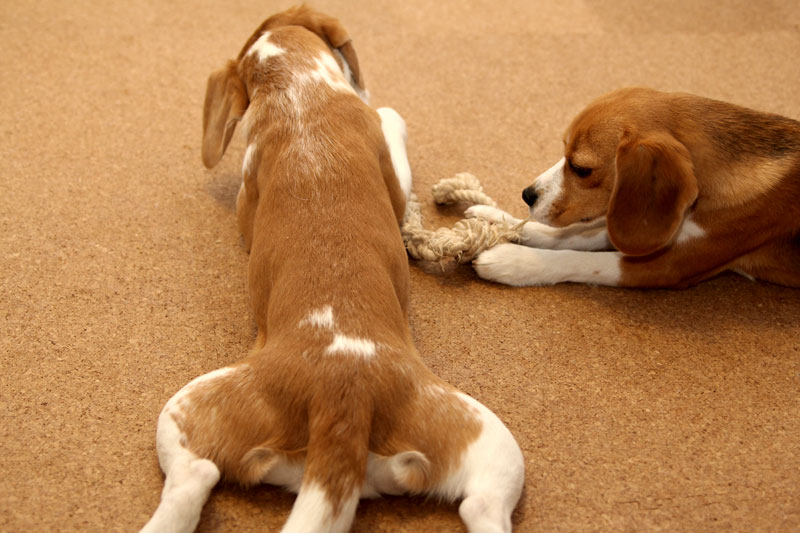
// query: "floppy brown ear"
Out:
[225,104]
[655,186]
[328,28]
[349,55]
[332,31]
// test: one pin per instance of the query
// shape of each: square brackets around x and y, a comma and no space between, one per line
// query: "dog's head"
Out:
[620,162]
[295,42]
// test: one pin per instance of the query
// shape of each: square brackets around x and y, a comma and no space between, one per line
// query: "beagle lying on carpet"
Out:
[334,402]
[683,188]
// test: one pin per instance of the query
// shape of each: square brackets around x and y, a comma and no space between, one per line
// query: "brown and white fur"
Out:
[660,190]
[334,402]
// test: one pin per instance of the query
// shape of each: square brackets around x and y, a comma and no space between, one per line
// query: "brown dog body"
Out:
[683,188]
[334,401]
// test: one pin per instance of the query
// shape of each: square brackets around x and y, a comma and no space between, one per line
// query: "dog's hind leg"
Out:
[189,478]
[394,131]
[492,472]
[452,448]
[186,489]
[188,483]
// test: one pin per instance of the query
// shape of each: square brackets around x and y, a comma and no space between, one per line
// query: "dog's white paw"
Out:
[492,214]
[518,265]
[511,264]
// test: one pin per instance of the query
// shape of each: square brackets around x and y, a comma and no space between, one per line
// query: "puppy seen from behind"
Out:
[334,401]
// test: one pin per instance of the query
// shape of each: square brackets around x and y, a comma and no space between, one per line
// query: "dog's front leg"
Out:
[513,264]
[247,199]
[394,131]
[588,236]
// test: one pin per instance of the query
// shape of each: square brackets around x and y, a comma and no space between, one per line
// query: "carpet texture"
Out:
[123,276]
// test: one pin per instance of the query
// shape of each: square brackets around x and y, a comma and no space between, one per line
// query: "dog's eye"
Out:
[581,172]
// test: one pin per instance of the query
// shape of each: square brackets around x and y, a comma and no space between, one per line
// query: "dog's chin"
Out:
[546,217]
[540,216]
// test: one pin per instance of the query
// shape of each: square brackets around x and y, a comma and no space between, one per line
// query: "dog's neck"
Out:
[301,108]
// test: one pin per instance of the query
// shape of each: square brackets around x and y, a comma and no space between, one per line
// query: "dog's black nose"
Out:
[529,195]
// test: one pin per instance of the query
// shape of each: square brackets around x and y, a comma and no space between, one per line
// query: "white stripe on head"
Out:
[264,48]
[548,187]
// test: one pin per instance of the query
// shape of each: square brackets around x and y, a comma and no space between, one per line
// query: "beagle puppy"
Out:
[334,401]
[660,190]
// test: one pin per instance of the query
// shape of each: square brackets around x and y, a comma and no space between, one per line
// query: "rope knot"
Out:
[468,237]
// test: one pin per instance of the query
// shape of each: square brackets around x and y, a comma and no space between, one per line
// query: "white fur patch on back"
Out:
[320,318]
[264,48]
[342,344]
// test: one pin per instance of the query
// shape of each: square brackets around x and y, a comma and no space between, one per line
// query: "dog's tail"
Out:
[336,463]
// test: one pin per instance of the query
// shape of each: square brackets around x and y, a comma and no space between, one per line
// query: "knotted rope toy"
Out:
[468,237]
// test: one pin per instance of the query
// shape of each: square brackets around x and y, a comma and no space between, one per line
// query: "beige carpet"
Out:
[123,276]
